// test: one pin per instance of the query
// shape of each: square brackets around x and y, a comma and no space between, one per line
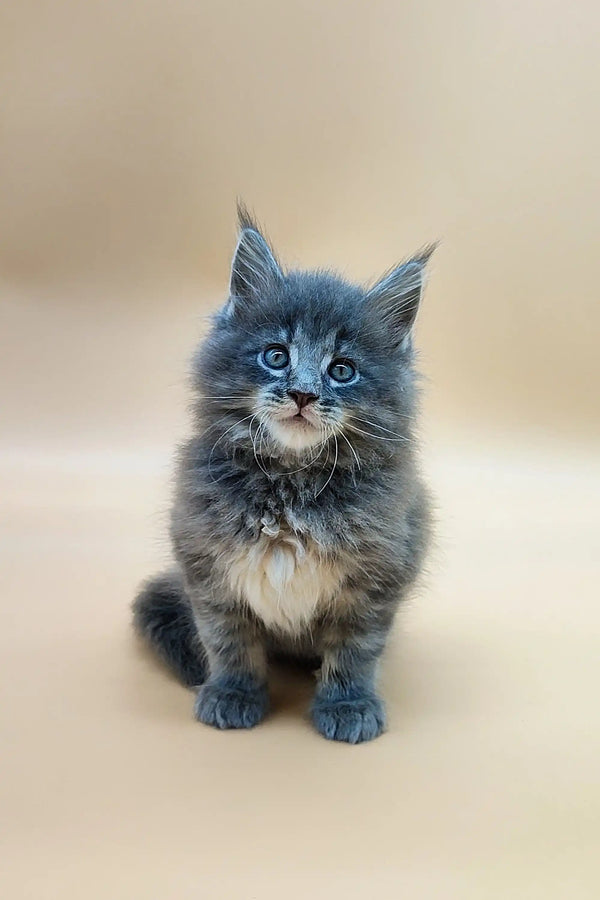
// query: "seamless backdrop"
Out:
[357,132]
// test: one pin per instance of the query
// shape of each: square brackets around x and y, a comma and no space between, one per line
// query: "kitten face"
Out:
[295,361]
[309,379]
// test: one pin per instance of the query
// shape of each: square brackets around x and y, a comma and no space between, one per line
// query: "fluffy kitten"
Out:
[300,520]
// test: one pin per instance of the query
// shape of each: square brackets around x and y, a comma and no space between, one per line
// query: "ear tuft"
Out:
[254,268]
[397,295]
[245,218]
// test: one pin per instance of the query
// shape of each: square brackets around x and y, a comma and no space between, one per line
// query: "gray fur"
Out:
[352,500]
[167,624]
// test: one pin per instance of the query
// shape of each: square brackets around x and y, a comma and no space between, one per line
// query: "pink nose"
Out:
[302,399]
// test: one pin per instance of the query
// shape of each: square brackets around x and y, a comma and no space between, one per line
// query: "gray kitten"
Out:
[300,520]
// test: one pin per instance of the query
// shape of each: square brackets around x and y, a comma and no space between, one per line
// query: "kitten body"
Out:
[300,520]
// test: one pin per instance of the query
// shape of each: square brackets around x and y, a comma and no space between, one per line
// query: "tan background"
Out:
[357,131]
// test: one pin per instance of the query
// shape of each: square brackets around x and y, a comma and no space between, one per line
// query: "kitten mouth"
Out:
[299,420]
[296,430]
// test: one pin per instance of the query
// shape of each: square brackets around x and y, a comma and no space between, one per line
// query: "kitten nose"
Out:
[302,399]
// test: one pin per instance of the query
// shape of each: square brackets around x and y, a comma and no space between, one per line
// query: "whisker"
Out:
[375,425]
[354,453]
[326,460]
[215,425]
[262,433]
[220,438]
[221,399]
[332,469]
[312,460]
[379,437]
[253,439]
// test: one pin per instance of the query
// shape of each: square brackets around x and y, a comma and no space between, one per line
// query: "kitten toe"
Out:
[353,721]
[225,706]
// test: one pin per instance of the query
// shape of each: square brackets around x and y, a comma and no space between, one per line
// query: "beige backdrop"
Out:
[357,132]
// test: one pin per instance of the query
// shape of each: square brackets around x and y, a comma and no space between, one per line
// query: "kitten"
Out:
[300,520]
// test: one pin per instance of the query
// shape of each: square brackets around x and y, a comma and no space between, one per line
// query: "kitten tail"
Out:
[162,616]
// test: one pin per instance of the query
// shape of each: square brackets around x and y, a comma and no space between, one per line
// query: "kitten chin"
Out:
[295,434]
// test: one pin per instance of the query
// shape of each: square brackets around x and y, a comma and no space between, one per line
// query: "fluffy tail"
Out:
[162,616]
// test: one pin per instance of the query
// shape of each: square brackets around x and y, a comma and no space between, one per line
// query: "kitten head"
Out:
[296,359]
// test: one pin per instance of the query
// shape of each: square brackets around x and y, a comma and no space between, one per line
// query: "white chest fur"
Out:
[283,579]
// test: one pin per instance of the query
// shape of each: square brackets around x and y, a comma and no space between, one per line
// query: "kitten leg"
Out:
[346,706]
[235,694]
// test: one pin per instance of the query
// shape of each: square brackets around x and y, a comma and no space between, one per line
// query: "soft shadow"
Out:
[292,686]
[153,689]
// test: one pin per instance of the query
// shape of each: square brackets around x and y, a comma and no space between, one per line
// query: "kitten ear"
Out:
[254,267]
[397,295]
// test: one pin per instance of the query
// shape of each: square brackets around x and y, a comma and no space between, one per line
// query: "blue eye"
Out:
[276,357]
[341,370]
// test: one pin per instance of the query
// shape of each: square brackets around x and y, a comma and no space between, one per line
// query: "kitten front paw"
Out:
[353,720]
[231,705]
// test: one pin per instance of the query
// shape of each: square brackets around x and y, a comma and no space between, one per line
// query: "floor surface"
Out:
[486,785]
